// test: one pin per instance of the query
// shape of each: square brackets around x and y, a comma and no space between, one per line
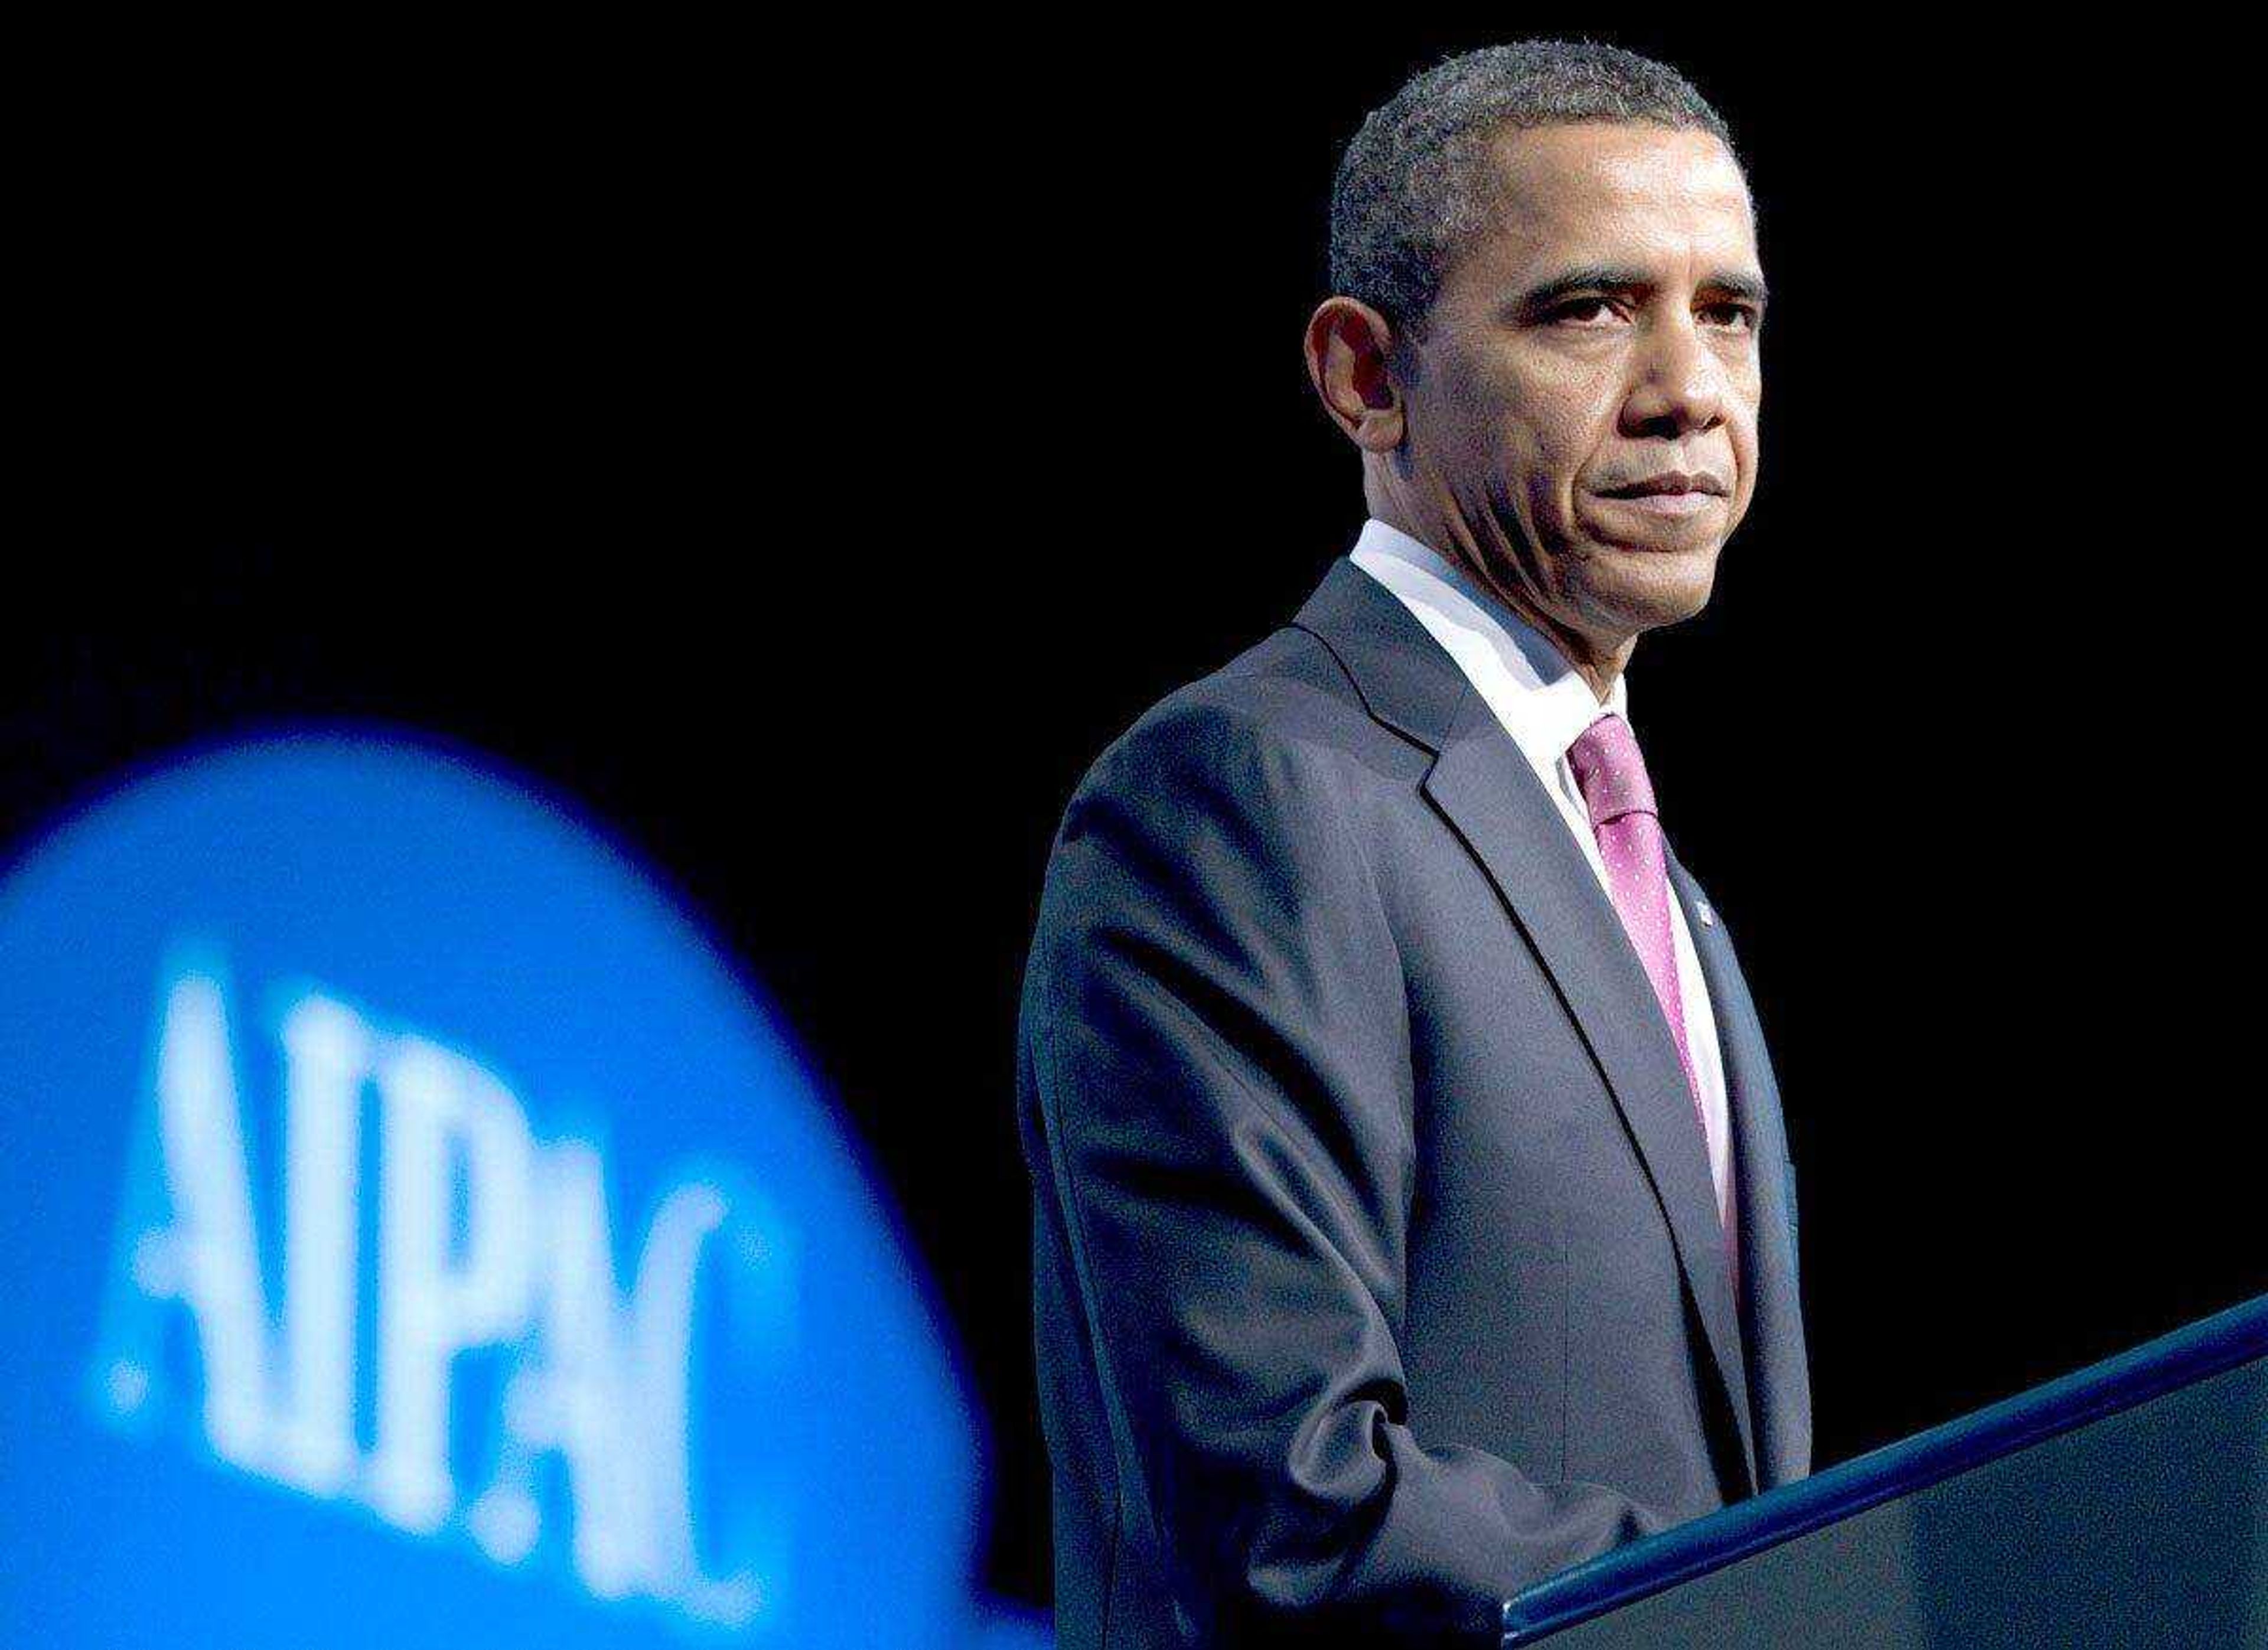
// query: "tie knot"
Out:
[1609,770]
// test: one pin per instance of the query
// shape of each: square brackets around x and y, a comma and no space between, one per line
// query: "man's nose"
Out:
[1679,385]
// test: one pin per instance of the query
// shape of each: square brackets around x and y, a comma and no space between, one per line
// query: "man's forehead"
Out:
[1597,183]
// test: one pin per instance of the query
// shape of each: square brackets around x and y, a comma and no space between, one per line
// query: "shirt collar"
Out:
[1538,696]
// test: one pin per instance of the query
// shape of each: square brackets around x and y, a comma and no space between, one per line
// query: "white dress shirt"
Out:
[1545,706]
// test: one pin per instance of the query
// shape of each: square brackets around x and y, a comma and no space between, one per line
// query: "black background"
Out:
[807,455]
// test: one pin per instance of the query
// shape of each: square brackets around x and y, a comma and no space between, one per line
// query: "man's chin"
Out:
[1645,588]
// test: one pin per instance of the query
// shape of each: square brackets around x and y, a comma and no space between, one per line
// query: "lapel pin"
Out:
[1708,917]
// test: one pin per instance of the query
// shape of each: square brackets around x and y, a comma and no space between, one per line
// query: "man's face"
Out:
[1583,403]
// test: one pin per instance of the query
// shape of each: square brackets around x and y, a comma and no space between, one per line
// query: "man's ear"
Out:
[1348,342]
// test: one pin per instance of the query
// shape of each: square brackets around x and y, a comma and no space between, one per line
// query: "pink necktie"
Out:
[1620,797]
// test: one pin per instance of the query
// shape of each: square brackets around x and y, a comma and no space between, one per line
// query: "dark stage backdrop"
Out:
[809,456]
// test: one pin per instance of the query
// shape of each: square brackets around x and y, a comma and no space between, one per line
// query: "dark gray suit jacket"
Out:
[1378,1273]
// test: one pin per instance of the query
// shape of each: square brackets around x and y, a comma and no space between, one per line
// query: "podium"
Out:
[2126,1505]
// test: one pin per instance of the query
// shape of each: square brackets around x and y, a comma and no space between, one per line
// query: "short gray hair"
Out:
[1412,183]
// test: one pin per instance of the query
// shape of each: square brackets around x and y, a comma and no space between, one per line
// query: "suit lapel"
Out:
[1491,797]
[1771,1308]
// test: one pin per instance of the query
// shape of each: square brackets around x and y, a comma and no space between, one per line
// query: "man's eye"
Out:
[1738,317]
[1586,311]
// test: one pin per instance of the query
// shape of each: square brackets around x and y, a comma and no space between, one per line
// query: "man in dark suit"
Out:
[1412,1209]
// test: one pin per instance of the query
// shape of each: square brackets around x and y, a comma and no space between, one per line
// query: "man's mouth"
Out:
[1666,493]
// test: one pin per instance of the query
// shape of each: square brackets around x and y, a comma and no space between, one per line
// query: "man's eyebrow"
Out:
[1616,277]
[1739,283]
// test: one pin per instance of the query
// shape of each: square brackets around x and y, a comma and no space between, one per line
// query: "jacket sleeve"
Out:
[1215,1013]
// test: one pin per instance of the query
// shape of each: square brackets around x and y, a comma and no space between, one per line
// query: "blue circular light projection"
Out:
[413,1232]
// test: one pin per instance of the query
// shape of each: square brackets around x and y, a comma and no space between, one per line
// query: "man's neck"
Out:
[1599,666]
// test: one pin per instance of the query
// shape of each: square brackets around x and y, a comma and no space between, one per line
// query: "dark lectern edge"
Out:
[2194,1353]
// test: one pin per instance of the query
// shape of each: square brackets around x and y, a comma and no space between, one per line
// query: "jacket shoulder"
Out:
[1282,710]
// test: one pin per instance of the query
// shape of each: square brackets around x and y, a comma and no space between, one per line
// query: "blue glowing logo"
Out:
[412,1232]
[522,1266]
